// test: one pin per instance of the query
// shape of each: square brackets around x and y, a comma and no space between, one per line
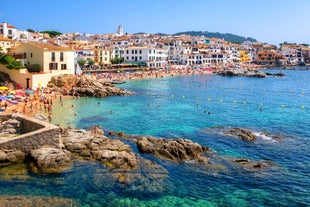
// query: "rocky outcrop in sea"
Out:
[85,86]
[249,73]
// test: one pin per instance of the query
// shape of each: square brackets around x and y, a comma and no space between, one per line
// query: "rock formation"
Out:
[174,149]
[85,86]
[243,134]
[249,73]
[50,160]
[112,153]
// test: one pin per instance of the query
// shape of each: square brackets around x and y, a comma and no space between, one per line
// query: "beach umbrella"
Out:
[3,98]
[29,91]
[3,88]
[10,96]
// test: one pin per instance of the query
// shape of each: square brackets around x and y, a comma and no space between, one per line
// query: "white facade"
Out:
[9,31]
[153,57]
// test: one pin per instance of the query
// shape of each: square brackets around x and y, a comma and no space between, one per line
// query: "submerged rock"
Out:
[252,165]
[36,201]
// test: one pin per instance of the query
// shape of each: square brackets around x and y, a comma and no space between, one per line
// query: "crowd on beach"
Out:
[173,70]
[28,102]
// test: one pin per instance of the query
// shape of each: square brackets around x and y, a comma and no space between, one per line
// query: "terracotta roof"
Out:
[8,26]
[50,46]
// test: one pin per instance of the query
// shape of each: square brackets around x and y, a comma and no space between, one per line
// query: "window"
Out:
[132,58]
[140,58]
[132,52]
[136,51]
[105,52]
[63,66]
[100,53]
[127,58]
[140,51]
[31,55]
[127,51]
[25,55]
[61,56]
[53,56]
[53,66]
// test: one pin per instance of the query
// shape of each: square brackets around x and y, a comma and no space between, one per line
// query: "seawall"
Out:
[35,134]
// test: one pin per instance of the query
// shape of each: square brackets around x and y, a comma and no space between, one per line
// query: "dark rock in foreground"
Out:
[112,153]
[51,160]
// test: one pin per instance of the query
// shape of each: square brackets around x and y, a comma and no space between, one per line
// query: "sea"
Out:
[199,108]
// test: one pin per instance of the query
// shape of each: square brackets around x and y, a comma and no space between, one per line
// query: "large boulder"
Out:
[13,155]
[243,134]
[174,149]
[85,86]
[112,153]
[51,160]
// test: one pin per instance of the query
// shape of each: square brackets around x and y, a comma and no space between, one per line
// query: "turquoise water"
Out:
[178,107]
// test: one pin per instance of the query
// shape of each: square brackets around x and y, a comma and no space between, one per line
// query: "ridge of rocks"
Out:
[85,86]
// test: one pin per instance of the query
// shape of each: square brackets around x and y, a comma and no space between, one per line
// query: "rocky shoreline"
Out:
[85,86]
[112,152]
[123,156]
[249,73]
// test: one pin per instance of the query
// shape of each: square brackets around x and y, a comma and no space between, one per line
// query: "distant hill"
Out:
[51,33]
[227,36]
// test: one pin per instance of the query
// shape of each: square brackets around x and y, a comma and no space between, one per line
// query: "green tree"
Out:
[10,62]
[117,60]
[30,30]
[51,33]
[34,68]
[91,62]
[81,62]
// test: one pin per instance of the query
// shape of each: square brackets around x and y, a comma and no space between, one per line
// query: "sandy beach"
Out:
[40,101]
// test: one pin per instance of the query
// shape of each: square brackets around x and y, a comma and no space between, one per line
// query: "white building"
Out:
[9,31]
[153,57]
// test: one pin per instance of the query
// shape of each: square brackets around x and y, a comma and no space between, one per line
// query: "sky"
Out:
[268,21]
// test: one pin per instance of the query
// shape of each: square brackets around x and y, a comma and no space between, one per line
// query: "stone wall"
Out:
[36,134]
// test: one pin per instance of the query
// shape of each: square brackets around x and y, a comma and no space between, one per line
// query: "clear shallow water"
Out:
[184,102]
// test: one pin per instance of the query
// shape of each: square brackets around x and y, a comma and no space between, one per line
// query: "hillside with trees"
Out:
[226,36]
[51,33]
